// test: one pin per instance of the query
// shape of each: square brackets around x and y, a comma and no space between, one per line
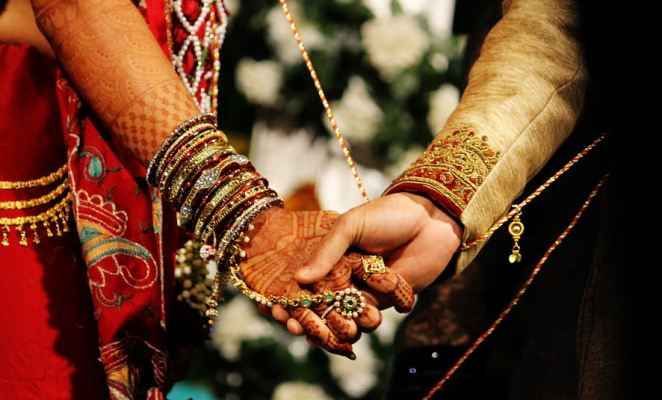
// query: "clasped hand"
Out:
[297,252]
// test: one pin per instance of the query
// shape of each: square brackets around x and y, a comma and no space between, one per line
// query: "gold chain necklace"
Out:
[43,181]
[38,201]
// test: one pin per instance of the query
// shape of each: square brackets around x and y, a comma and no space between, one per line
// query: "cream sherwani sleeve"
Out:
[523,98]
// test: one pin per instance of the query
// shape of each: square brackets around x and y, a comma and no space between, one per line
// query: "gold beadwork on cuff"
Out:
[451,170]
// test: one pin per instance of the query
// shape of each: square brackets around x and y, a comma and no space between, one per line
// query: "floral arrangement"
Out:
[391,70]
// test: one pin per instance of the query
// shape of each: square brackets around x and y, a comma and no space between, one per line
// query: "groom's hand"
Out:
[416,238]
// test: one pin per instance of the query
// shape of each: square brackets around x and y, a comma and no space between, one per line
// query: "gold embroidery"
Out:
[452,168]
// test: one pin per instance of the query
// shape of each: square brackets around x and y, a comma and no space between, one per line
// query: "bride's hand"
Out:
[281,243]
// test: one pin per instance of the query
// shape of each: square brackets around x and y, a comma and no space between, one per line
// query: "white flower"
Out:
[260,81]
[280,35]
[391,320]
[379,8]
[357,114]
[394,44]
[356,377]
[336,188]
[299,391]
[439,62]
[298,347]
[439,15]
[238,321]
[443,102]
[287,160]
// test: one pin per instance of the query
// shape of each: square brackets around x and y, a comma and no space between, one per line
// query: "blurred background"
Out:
[393,71]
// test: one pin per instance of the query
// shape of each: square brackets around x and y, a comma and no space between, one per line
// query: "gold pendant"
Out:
[516,229]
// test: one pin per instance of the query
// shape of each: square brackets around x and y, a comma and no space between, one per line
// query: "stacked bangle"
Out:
[216,191]
[155,165]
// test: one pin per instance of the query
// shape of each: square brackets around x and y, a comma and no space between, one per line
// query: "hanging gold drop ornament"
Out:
[516,229]
[57,216]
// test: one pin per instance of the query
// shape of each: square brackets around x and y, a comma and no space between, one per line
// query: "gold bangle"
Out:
[229,208]
[220,196]
[240,224]
[205,181]
[39,201]
[155,167]
[43,181]
[194,164]
[175,154]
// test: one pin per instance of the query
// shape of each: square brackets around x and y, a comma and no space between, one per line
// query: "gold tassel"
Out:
[23,240]
[35,234]
[5,235]
[58,231]
[516,229]
[65,224]
[49,232]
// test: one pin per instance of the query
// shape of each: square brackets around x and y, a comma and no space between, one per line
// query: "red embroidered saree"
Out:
[117,269]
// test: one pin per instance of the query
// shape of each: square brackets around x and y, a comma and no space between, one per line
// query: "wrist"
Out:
[440,215]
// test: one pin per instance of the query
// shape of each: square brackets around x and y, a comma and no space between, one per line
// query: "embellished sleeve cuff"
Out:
[450,171]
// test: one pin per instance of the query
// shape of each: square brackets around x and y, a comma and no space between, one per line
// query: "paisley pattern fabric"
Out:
[120,221]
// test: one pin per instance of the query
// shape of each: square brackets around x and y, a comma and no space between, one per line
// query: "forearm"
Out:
[117,65]
[524,95]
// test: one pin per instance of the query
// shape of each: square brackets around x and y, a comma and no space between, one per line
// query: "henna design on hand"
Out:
[389,288]
[282,242]
[117,65]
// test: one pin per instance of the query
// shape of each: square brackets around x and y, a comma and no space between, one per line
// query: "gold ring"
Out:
[325,313]
[373,265]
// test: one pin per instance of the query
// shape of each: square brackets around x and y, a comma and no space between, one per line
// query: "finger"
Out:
[333,247]
[394,288]
[371,317]
[264,310]
[294,327]
[345,329]
[320,334]
[279,313]
[384,282]
[403,296]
